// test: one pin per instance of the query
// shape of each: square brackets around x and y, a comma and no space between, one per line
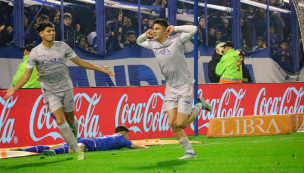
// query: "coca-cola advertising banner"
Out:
[25,120]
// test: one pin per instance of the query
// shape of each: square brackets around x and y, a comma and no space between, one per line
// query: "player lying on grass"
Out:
[109,142]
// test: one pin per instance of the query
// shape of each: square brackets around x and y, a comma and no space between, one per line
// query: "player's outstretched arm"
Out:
[85,64]
[135,146]
[142,39]
[188,32]
[22,81]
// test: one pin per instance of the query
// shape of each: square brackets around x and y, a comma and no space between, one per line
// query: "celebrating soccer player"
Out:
[50,59]
[169,52]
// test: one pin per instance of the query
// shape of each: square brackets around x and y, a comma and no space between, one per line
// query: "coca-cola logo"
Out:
[7,124]
[153,118]
[88,124]
[222,107]
[150,114]
[279,105]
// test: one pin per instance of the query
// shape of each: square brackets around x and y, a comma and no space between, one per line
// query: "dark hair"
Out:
[43,25]
[130,33]
[44,17]
[79,38]
[201,17]
[260,38]
[121,128]
[161,22]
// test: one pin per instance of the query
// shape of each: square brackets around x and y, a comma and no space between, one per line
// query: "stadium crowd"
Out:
[122,26]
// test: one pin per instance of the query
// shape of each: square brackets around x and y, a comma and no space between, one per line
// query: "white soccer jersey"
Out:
[51,65]
[170,56]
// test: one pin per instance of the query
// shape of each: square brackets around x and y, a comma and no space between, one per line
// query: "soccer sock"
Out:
[63,149]
[37,149]
[68,136]
[197,107]
[186,144]
[74,128]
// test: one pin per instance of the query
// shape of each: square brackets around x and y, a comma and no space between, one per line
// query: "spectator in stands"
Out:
[201,30]
[157,3]
[225,30]
[82,43]
[246,75]
[216,57]
[34,79]
[8,35]
[28,38]
[70,34]
[147,24]
[131,39]
[274,42]
[260,22]
[260,44]
[244,45]
[216,39]
[284,54]
[56,16]
[279,25]
[117,44]
[36,39]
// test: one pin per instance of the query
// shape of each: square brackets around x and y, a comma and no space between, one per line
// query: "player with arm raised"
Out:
[169,52]
[50,59]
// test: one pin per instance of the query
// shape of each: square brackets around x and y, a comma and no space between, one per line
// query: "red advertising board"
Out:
[25,120]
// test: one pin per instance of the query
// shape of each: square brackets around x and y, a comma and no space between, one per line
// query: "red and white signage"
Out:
[25,120]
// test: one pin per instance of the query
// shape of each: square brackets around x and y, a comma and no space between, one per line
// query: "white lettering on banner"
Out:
[248,123]
[7,124]
[133,114]
[44,118]
[228,95]
[273,106]
[89,123]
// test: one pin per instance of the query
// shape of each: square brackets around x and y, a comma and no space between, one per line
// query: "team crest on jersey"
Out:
[163,52]
[59,51]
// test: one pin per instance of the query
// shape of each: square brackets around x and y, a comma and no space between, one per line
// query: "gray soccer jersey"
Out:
[170,56]
[51,65]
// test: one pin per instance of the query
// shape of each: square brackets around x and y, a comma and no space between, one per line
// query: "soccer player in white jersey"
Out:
[50,59]
[169,52]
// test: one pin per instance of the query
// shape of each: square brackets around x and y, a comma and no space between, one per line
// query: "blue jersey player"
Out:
[109,142]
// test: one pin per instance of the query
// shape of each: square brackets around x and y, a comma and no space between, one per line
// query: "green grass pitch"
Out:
[278,153]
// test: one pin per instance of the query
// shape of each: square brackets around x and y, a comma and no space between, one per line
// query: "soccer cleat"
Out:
[206,105]
[49,152]
[71,150]
[188,155]
[16,149]
[81,155]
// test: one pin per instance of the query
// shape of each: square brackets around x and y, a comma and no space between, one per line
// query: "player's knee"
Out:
[181,125]
[172,124]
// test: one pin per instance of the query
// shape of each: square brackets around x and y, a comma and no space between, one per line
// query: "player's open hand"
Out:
[149,33]
[9,93]
[105,69]
[170,29]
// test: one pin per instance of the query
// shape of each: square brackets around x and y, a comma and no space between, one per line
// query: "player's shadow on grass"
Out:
[40,164]
[167,164]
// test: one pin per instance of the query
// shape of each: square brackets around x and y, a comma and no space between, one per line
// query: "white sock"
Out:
[186,144]
[197,107]
[68,136]
[74,128]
